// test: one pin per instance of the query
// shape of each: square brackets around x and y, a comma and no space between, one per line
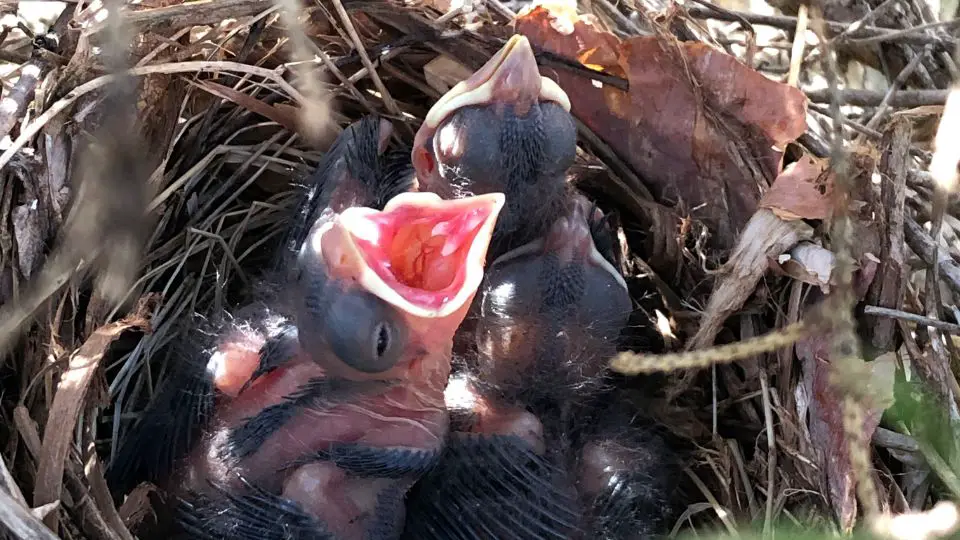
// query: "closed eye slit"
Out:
[383,338]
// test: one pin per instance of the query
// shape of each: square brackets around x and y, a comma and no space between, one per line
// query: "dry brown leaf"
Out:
[696,124]
[802,191]
[69,400]
[813,264]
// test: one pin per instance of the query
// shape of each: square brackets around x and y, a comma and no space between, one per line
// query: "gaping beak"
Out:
[422,254]
[510,77]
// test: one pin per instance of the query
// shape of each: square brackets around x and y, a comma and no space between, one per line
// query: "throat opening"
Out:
[422,252]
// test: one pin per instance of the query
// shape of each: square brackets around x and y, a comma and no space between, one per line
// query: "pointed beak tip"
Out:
[510,76]
[497,201]
[494,203]
[516,78]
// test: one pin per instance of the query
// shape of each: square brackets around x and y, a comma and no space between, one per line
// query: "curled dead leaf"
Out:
[809,263]
[696,124]
[802,191]
[137,507]
[814,264]
[70,399]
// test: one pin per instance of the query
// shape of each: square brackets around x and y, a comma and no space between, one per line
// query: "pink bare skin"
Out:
[410,415]
[396,405]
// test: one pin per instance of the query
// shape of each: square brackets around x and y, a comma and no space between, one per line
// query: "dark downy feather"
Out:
[355,152]
[389,513]
[639,499]
[373,461]
[396,175]
[317,393]
[253,515]
[279,349]
[574,310]
[491,487]
[182,405]
[180,408]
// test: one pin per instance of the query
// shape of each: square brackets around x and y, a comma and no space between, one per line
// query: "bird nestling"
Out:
[343,428]
[506,129]
[316,426]
[531,455]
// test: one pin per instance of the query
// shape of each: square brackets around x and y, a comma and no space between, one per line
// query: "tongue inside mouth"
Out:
[421,253]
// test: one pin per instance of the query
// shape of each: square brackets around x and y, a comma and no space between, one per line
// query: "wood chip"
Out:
[443,73]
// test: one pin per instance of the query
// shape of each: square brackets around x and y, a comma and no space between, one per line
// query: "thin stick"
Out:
[897,34]
[796,55]
[789,23]
[863,21]
[195,13]
[895,87]
[947,327]
[14,104]
[771,453]
[358,44]
[722,512]
[502,9]
[871,98]
[734,447]
[926,247]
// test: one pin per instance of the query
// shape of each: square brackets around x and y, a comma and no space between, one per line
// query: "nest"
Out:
[767,196]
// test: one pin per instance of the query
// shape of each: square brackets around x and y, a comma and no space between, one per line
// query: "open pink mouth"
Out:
[421,253]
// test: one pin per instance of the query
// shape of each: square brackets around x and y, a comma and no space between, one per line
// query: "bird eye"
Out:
[382,335]
[360,329]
